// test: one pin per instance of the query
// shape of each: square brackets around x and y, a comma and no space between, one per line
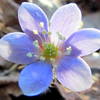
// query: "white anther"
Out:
[35,31]
[68,50]
[52,60]
[36,56]
[42,58]
[41,24]
[60,36]
[29,54]
[35,43]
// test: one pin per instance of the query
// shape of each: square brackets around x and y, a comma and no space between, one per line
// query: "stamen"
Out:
[37,56]
[36,44]
[42,58]
[68,50]
[44,31]
[35,31]
[49,33]
[60,36]
[29,54]
[41,24]
[52,60]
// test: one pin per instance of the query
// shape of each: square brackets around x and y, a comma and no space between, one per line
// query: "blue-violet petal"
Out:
[35,78]
[15,46]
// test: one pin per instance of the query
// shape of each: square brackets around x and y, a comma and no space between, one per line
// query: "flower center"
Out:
[50,51]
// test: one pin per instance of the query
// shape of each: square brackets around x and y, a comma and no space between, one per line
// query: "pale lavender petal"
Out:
[84,42]
[15,46]
[30,16]
[74,74]
[65,20]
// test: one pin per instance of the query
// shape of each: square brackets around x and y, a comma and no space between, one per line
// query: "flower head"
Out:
[45,48]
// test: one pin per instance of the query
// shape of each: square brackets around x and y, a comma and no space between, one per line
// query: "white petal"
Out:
[65,20]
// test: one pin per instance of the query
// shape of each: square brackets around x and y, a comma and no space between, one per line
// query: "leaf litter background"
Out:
[9,72]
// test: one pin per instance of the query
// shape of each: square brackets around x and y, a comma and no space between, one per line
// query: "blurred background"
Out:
[9,72]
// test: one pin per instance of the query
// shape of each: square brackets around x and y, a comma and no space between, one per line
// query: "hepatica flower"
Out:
[51,51]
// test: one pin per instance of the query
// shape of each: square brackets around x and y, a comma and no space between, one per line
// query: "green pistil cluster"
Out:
[50,51]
